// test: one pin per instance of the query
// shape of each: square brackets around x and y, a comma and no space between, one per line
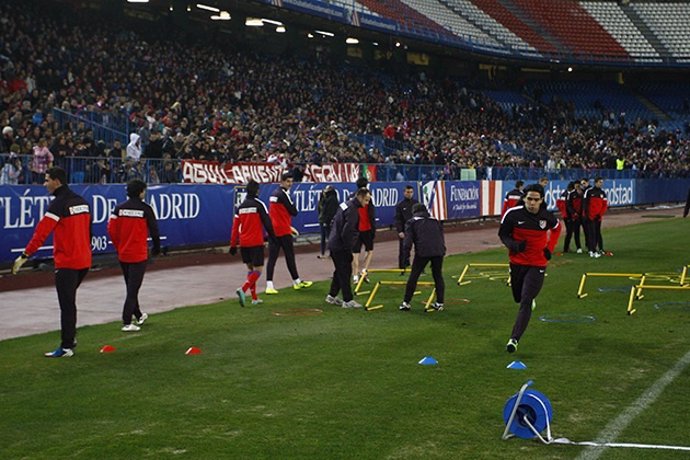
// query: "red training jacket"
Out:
[511,200]
[69,217]
[129,227]
[281,210]
[248,224]
[595,203]
[521,225]
[561,204]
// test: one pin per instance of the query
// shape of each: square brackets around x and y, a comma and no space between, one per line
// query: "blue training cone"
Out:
[428,361]
[516,365]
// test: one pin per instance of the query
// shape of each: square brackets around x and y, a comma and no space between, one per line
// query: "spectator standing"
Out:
[11,170]
[250,221]
[134,147]
[41,161]
[282,210]
[426,234]
[403,213]
[343,235]
[595,205]
[525,232]
[129,227]
[69,219]
[328,206]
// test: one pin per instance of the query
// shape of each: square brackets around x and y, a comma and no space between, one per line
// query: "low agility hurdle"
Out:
[462,281]
[369,307]
[671,277]
[362,277]
[636,291]
[580,291]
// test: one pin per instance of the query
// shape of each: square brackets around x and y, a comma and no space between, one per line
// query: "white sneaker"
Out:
[579,250]
[597,255]
[404,306]
[144,317]
[257,301]
[352,304]
[130,328]
[333,300]
[591,254]
[355,279]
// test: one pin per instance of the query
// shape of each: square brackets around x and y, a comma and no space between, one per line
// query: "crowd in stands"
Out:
[191,99]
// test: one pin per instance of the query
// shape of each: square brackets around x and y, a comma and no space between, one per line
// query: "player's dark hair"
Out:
[57,173]
[363,191]
[135,187]
[252,188]
[285,176]
[535,188]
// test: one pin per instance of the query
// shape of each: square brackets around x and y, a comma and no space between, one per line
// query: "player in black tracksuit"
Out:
[403,213]
[344,233]
[426,234]
[524,231]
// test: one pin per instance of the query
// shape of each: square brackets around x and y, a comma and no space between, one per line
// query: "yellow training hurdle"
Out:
[462,281]
[362,277]
[372,295]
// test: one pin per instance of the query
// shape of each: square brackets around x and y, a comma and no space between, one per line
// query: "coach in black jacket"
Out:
[403,213]
[426,233]
[344,233]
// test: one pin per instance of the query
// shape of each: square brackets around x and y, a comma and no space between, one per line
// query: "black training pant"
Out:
[66,282]
[134,276]
[418,265]
[526,282]
[274,245]
[325,232]
[342,260]
[594,238]
[586,228]
[403,260]
[572,228]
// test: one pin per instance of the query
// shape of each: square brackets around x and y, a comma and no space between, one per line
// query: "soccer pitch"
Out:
[273,383]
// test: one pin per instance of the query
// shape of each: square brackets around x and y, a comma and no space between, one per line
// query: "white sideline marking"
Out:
[620,423]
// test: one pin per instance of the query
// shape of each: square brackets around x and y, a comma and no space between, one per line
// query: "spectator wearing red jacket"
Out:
[129,227]
[530,233]
[69,219]
[595,204]
[248,225]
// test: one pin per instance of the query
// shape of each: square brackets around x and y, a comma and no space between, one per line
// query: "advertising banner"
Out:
[187,215]
[463,199]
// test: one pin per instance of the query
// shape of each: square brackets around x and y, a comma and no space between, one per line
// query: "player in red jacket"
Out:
[129,227]
[281,210]
[530,233]
[595,204]
[69,219]
[513,197]
[251,218]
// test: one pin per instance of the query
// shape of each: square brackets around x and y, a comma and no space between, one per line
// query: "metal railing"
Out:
[104,170]
[19,169]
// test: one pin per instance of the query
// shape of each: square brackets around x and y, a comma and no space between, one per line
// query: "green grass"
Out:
[346,384]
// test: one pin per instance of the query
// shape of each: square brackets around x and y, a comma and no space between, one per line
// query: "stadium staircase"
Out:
[658,113]
[651,37]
